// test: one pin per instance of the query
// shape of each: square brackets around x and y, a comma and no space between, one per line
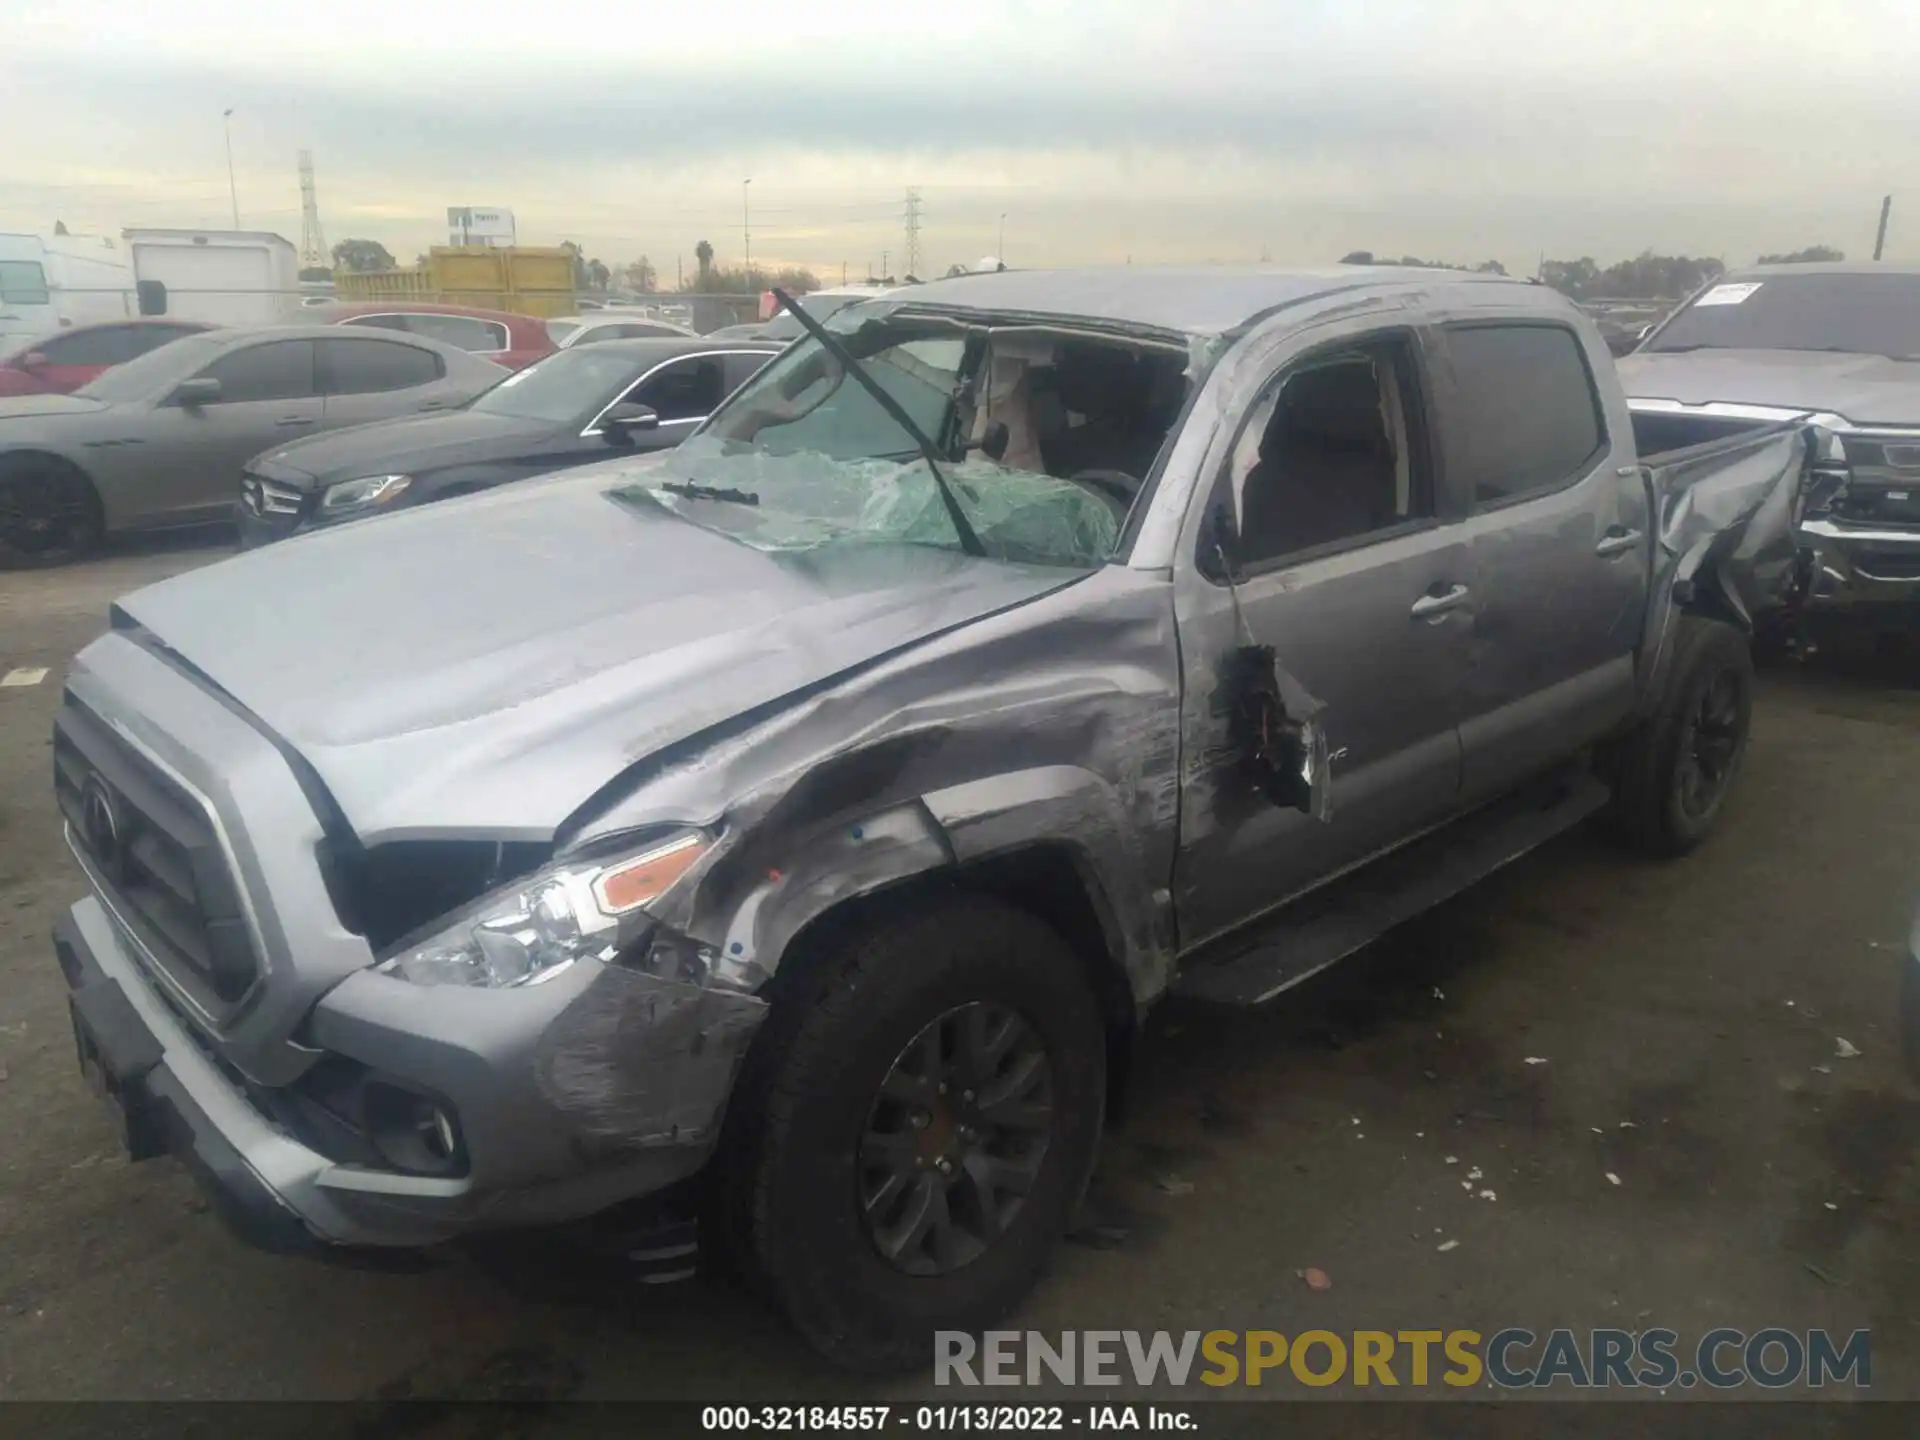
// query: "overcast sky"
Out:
[1101,129]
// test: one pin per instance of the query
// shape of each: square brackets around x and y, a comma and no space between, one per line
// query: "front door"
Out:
[1345,569]
[268,396]
[1561,549]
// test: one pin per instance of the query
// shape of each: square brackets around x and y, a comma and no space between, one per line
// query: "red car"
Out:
[61,363]
[497,335]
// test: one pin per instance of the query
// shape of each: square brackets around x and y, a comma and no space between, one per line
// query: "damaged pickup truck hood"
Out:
[482,667]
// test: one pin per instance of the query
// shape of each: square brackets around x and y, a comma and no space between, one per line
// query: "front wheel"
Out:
[921,1128]
[1674,771]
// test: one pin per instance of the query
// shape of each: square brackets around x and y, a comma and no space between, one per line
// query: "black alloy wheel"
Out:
[1709,746]
[955,1139]
[48,514]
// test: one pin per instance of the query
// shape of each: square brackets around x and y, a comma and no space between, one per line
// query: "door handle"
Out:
[294,420]
[434,405]
[1617,542]
[1431,604]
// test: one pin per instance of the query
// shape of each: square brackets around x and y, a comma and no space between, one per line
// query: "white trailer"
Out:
[228,277]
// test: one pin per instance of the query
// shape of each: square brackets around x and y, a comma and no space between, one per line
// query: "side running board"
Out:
[1352,912]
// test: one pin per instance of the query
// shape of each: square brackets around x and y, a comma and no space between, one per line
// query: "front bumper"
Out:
[615,1093]
[1870,574]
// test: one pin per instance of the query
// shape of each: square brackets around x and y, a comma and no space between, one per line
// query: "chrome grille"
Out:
[269,497]
[156,857]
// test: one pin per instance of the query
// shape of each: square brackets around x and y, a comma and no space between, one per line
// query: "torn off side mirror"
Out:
[1280,733]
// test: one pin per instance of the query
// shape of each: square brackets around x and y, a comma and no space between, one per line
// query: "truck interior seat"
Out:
[1326,469]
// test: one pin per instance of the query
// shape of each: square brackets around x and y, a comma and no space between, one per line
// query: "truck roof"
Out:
[1194,301]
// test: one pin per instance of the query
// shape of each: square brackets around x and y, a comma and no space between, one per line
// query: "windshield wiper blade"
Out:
[693,490]
[969,540]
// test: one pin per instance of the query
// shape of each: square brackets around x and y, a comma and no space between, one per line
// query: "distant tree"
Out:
[316,272]
[60,227]
[598,275]
[1811,255]
[641,276]
[360,255]
[423,259]
[1414,262]
[703,257]
[1646,276]
[720,280]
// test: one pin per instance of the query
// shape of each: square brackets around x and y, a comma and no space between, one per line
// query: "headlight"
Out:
[363,494]
[534,929]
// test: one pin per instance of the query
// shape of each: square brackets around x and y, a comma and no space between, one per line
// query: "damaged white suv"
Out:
[801,821]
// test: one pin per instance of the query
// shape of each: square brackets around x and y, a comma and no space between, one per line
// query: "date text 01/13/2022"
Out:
[989,1419]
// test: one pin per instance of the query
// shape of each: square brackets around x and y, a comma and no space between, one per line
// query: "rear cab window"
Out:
[1527,414]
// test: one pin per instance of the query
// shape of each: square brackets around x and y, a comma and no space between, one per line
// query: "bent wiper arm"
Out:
[969,541]
[692,490]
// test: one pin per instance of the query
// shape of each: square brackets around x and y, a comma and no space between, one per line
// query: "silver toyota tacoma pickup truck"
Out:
[1837,344]
[801,822]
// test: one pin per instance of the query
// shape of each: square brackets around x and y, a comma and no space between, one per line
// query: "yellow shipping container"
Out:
[525,279]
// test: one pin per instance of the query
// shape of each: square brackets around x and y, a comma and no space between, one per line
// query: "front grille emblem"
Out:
[100,826]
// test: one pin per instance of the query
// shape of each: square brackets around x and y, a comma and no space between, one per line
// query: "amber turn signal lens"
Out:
[634,882]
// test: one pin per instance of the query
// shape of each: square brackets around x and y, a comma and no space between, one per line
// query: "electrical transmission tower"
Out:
[313,243]
[913,234]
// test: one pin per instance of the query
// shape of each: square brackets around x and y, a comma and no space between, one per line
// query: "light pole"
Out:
[233,192]
[746,225]
[1000,253]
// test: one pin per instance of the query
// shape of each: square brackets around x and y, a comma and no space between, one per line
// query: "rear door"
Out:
[1558,530]
[372,378]
[269,394]
[1347,571]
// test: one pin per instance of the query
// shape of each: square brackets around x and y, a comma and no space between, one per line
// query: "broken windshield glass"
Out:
[828,465]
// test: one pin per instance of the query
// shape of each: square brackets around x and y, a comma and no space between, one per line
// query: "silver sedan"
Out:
[160,441]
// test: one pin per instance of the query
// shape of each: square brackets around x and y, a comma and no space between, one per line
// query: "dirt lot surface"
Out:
[1686,1018]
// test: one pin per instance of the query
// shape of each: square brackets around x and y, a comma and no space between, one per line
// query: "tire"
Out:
[1673,772]
[813,1139]
[49,513]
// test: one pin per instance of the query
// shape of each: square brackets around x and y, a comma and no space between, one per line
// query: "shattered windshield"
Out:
[804,456]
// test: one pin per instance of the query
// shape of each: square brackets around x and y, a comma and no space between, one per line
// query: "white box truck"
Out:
[51,281]
[227,277]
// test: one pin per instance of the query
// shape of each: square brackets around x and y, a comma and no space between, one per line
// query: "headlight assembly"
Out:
[537,927]
[367,493]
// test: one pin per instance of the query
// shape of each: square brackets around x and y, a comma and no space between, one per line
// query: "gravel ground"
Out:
[1686,1016]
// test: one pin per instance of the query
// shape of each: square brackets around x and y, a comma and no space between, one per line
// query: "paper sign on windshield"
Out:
[1728,294]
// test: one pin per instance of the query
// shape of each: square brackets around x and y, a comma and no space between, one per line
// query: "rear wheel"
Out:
[1674,771]
[915,1134]
[49,513]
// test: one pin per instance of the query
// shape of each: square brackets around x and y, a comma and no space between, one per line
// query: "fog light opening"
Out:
[413,1132]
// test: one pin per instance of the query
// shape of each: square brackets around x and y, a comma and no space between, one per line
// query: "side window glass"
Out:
[361,367]
[685,390]
[141,339]
[282,370]
[1528,414]
[742,368]
[380,322]
[1333,452]
[90,347]
[463,332]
